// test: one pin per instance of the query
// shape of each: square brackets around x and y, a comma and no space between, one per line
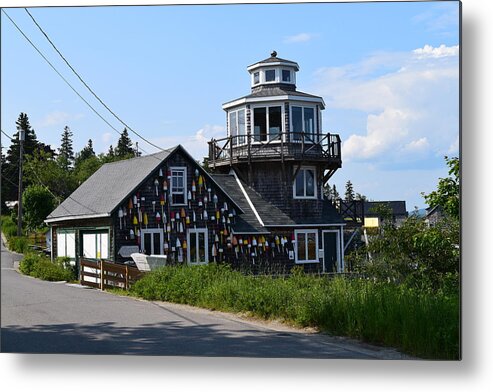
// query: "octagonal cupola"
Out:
[273,72]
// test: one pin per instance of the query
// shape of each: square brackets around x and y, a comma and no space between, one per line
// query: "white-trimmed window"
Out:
[267,123]
[270,75]
[151,242]
[95,245]
[237,126]
[178,185]
[256,77]
[303,120]
[304,186]
[65,243]
[306,246]
[197,249]
[286,76]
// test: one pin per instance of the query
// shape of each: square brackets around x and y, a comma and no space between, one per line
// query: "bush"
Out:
[68,265]
[18,244]
[46,270]
[27,264]
[9,228]
[421,323]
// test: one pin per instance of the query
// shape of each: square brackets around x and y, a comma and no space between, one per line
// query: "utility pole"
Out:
[19,201]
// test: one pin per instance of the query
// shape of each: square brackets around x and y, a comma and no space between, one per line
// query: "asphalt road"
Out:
[46,317]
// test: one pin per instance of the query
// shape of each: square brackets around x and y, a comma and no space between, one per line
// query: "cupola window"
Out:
[286,75]
[270,75]
[237,126]
[256,78]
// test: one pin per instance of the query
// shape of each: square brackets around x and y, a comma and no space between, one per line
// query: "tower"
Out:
[275,140]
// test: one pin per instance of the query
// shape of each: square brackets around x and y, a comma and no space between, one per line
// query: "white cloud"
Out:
[196,144]
[301,37]
[54,118]
[106,137]
[410,100]
[441,51]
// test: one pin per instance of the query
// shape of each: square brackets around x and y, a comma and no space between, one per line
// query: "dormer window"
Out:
[286,75]
[270,75]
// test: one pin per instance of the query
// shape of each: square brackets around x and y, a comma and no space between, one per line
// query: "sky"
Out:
[388,73]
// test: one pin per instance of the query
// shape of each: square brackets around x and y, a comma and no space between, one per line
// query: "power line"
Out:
[63,78]
[86,85]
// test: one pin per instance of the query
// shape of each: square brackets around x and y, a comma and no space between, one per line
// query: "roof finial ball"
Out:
[273,54]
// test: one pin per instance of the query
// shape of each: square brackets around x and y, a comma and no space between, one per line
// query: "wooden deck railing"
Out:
[103,274]
[285,145]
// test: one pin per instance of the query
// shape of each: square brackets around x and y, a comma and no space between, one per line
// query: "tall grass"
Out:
[418,323]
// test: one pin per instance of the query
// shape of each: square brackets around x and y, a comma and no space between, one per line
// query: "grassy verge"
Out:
[421,324]
[41,267]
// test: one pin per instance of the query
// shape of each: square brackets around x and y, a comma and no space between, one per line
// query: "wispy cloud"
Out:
[301,37]
[442,18]
[411,109]
[58,118]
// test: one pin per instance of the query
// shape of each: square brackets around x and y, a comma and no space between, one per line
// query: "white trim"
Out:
[185,180]
[307,231]
[248,199]
[273,98]
[73,217]
[315,193]
[310,225]
[51,242]
[273,64]
[152,231]
[252,122]
[206,244]
[338,242]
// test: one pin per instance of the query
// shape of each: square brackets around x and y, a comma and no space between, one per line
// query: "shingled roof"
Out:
[101,193]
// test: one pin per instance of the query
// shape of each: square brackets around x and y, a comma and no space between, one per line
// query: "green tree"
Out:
[86,168]
[66,151]
[349,194]
[37,202]
[86,153]
[10,165]
[43,169]
[335,194]
[124,147]
[447,194]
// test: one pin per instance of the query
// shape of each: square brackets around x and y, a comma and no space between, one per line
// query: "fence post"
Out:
[126,277]
[101,272]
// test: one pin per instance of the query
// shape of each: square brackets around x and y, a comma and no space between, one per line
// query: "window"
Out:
[286,75]
[95,245]
[151,242]
[306,246]
[270,75]
[303,120]
[256,78]
[237,126]
[178,185]
[304,184]
[267,121]
[65,244]
[197,250]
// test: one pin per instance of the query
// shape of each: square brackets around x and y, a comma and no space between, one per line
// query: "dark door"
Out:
[330,251]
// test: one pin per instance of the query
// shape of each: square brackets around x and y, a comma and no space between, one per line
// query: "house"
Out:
[434,215]
[260,208]
[375,212]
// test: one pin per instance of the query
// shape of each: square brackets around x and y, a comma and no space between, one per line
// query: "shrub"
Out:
[68,265]
[9,228]
[46,270]
[18,244]
[27,264]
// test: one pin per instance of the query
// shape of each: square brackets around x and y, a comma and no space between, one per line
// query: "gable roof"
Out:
[111,184]
[102,192]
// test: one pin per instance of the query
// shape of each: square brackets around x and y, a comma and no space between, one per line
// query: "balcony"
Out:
[285,146]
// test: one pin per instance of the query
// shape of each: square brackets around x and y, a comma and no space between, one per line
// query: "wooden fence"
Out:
[103,274]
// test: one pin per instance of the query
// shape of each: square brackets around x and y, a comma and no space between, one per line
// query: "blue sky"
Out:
[388,73]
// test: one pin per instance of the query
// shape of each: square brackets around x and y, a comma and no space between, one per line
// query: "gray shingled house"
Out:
[262,208]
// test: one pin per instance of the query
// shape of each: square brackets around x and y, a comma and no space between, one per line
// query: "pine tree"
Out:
[85,153]
[66,151]
[111,152]
[349,195]
[124,147]
[335,194]
[10,165]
